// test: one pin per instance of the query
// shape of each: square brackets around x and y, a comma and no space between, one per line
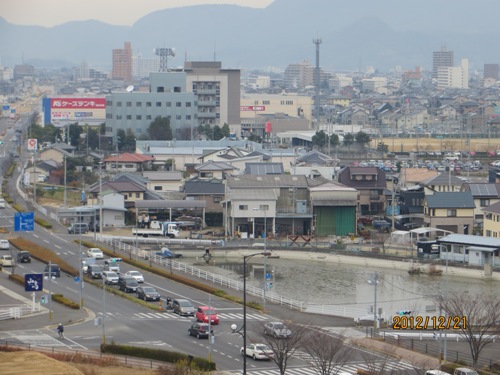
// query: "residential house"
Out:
[56,154]
[491,221]
[315,164]
[131,192]
[211,169]
[371,183]
[163,181]
[484,194]
[264,168]
[452,211]
[128,162]
[212,191]
[470,250]
[444,182]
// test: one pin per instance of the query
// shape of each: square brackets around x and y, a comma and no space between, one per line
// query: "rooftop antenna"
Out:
[130,88]
[164,53]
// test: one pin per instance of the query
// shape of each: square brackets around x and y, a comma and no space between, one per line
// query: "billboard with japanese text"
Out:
[64,110]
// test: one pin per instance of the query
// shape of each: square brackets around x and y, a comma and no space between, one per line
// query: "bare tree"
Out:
[284,347]
[328,353]
[420,364]
[475,317]
[381,362]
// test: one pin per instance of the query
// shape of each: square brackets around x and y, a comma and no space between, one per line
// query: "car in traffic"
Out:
[76,228]
[6,261]
[147,293]
[277,329]
[136,275]
[183,307]
[258,351]
[127,284]
[95,252]
[53,269]
[110,277]
[207,314]
[94,271]
[4,245]
[23,257]
[200,330]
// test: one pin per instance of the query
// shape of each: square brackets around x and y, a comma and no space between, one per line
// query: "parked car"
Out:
[200,330]
[464,371]
[381,224]
[207,314]
[95,252]
[127,284]
[147,293]
[110,277]
[136,275]
[183,307]
[23,257]
[4,245]
[78,228]
[277,329]
[94,271]
[258,351]
[6,261]
[55,270]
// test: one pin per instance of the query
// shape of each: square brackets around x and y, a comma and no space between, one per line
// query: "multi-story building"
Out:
[217,91]
[491,71]
[454,77]
[253,105]
[122,63]
[441,59]
[167,98]
[299,75]
[141,67]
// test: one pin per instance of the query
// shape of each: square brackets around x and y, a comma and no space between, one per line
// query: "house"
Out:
[484,195]
[453,211]
[131,192]
[444,182]
[128,162]
[212,169]
[163,181]
[264,168]
[56,154]
[212,191]
[491,220]
[371,183]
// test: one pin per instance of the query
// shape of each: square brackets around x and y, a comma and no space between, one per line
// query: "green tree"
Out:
[120,138]
[129,142]
[254,138]
[74,134]
[225,130]
[320,139]
[362,138]
[160,129]
[348,139]
[49,133]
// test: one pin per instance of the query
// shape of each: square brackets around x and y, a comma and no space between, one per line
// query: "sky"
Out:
[55,12]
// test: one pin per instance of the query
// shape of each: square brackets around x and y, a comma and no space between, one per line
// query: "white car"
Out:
[6,261]
[4,244]
[277,329]
[110,277]
[258,351]
[95,252]
[136,275]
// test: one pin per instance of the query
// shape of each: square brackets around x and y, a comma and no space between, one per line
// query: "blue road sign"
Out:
[33,282]
[77,279]
[24,222]
[268,276]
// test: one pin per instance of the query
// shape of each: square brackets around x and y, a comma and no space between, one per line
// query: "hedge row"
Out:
[159,355]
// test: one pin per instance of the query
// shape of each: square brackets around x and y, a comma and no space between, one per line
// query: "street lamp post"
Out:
[264,208]
[374,282]
[445,346]
[234,328]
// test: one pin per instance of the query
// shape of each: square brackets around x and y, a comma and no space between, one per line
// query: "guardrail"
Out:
[17,311]
[202,274]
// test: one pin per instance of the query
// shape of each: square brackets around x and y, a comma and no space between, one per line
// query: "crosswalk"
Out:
[172,316]
[350,368]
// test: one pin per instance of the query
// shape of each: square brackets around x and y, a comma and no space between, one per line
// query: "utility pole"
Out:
[317,83]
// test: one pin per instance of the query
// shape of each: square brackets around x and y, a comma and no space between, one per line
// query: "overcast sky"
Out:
[55,12]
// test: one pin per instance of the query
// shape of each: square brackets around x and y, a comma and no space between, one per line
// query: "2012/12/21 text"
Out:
[429,322]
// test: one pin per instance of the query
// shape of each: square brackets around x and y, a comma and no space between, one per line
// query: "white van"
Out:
[2,203]
[436,372]
[464,371]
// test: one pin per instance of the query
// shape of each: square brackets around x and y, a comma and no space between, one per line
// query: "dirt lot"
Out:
[433,144]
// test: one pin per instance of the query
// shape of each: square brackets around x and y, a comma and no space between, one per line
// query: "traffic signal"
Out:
[43,300]
[404,312]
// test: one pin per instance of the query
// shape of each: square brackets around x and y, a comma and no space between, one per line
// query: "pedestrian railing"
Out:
[216,279]
[17,311]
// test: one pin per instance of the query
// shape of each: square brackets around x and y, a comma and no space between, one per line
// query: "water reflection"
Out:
[320,282]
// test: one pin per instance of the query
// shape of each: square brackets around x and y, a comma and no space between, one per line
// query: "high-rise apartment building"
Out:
[122,63]
[142,67]
[454,77]
[299,75]
[441,59]
[491,71]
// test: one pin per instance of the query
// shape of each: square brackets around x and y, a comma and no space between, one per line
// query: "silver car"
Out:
[183,307]
[277,329]
[110,277]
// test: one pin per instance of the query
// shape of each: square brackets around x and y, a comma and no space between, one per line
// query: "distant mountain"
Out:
[354,34]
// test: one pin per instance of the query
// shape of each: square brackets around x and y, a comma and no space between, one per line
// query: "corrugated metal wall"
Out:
[337,221]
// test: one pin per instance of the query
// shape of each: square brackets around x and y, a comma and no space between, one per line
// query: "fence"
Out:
[431,347]
[118,359]
[223,281]
[17,311]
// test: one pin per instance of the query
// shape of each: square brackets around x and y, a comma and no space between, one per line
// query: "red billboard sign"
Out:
[252,108]
[268,127]
[76,103]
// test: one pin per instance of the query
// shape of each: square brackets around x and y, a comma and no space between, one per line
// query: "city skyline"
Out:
[51,13]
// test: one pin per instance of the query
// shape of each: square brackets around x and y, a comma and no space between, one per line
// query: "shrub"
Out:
[43,223]
[65,301]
